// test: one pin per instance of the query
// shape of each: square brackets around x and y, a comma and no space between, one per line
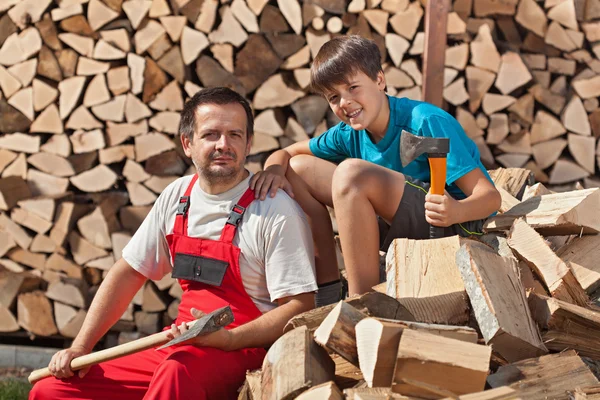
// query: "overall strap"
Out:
[181,219]
[235,216]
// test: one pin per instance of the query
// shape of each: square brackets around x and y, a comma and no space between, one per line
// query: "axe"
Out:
[202,326]
[411,147]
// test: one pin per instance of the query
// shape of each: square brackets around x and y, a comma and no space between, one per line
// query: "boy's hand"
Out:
[441,210]
[221,339]
[268,181]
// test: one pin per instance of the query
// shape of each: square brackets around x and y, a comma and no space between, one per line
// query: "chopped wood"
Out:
[580,255]
[565,171]
[335,25]
[229,31]
[118,38]
[8,83]
[483,50]
[512,73]
[421,274]
[105,51]
[207,17]
[292,12]
[159,8]
[493,103]
[87,66]
[82,45]
[173,26]
[84,142]
[18,141]
[498,128]
[153,300]
[252,70]
[534,61]
[46,184]
[587,88]
[136,10]
[532,17]
[154,80]
[81,118]
[12,190]
[144,37]
[118,80]
[151,144]
[113,110]
[325,391]
[118,133]
[293,364]
[479,81]
[397,47]
[78,25]
[557,65]
[35,314]
[82,250]
[461,367]
[546,127]
[172,63]
[12,52]
[519,143]
[70,90]
[48,121]
[378,19]
[557,275]
[455,93]
[546,153]
[96,92]
[51,164]
[485,8]
[68,62]
[135,109]
[262,143]
[139,195]
[377,343]
[68,292]
[549,376]
[406,23]
[499,302]
[275,93]
[468,122]
[6,157]
[582,150]
[575,118]
[24,72]
[557,36]
[554,214]
[266,122]
[116,154]
[23,101]
[336,332]
[68,319]
[170,98]
[48,65]
[317,39]
[99,14]
[523,109]
[167,122]
[95,180]
[192,43]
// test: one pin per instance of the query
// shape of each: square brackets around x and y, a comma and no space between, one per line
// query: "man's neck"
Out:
[216,188]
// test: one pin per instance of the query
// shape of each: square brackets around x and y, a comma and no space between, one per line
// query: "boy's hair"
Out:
[217,95]
[342,57]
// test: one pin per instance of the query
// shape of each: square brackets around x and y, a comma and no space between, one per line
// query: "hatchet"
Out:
[202,326]
[411,147]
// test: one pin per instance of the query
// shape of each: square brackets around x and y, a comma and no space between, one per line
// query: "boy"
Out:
[356,168]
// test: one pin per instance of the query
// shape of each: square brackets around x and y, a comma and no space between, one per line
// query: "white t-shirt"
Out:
[274,237]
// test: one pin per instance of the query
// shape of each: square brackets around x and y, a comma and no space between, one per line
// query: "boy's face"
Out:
[359,102]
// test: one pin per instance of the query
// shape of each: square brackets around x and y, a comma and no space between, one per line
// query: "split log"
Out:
[421,274]
[372,304]
[512,73]
[580,255]
[30,220]
[324,391]
[57,262]
[553,214]
[43,95]
[377,343]
[499,302]
[548,152]
[557,275]
[12,190]
[565,171]
[68,319]
[293,364]
[582,150]
[549,376]
[566,326]
[430,365]
[35,314]
[336,332]
[66,215]
[69,291]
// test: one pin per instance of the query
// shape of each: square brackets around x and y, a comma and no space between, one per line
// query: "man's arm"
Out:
[261,332]
[114,295]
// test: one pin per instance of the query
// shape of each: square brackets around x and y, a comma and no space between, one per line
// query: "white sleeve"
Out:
[148,251]
[289,258]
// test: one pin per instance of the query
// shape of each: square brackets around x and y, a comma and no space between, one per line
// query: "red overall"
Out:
[183,372]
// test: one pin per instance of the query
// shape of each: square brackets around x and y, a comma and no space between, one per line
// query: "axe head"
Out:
[412,146]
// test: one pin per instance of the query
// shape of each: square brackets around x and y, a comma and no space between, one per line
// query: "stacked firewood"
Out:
[91,90]
[504,316]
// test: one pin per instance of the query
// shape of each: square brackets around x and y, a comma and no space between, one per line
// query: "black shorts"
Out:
[409,221]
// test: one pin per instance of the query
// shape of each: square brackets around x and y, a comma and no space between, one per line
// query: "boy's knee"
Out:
[348,175]
[301,163]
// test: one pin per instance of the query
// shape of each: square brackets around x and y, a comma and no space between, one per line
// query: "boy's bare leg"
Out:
[311,179]
[361,191]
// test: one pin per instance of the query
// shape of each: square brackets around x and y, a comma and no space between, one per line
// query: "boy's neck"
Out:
[379,127]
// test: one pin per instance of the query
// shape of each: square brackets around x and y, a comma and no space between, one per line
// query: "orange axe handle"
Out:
[437,166]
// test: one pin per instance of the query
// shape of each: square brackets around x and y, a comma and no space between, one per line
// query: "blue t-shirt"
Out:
[419,118]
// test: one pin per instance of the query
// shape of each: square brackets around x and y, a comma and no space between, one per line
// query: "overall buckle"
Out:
[236,214]
[184,205]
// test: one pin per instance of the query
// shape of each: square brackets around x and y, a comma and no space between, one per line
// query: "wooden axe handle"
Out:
[124,349]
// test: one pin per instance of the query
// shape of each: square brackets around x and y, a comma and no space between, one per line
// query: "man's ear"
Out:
[186,143]
[249,145]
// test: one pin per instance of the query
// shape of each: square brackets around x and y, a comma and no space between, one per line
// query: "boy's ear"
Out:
[381,80]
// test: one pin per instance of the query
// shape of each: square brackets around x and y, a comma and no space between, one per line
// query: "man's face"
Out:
[358,102]
[219,146]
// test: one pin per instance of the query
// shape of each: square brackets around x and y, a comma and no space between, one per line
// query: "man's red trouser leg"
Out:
[185,372]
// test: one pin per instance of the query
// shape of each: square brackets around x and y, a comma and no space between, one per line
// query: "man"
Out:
[196,230]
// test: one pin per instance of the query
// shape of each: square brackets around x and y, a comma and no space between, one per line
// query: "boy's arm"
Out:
[482,200]
[273,175]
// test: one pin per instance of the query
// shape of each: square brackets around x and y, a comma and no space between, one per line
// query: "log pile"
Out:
[504,315]
[90,94]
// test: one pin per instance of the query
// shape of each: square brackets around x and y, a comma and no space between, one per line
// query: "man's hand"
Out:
[268,181]
[441,210]
[221,339]
[60,364]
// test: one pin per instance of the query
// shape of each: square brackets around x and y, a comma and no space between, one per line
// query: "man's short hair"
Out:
[342,57]
[216,95]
